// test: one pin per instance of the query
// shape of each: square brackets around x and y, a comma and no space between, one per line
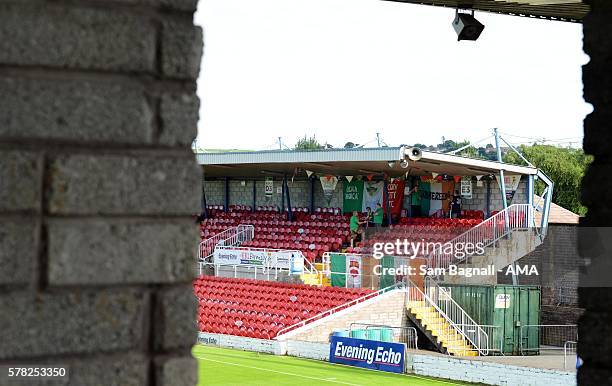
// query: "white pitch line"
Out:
[279,372]
[321,379]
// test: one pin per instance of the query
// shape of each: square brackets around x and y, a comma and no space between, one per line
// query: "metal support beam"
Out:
[488,203]
[502,185]
[254,195]
[204,212]
[286,189]
[283,194]
[547,200]
[312,195]
[227,195]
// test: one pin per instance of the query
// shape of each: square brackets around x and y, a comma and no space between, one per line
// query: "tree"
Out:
[564,166]
[309,143]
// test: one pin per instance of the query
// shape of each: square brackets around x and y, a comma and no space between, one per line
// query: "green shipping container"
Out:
[505,306]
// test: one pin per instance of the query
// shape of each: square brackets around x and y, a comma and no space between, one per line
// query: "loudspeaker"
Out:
[467,27]
[414,153]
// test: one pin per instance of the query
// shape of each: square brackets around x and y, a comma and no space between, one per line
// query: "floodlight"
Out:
[466,26]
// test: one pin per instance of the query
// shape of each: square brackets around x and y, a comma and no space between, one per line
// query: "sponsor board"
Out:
[368,354]
[208,339]
[290,260]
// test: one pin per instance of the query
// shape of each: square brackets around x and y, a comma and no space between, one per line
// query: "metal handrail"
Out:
[563,332]
[515,217]
[462,321]
[413,330]
[231,236]
[459,317]
[332,311]
[569,347]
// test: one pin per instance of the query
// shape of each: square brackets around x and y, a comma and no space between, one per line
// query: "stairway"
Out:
[506,237]
[442,334]
[451,330]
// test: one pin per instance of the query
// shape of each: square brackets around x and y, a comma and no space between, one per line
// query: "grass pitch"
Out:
[220,366]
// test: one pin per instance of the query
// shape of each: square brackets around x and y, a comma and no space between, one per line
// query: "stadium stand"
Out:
[259,309]
[424,229]
[312,234]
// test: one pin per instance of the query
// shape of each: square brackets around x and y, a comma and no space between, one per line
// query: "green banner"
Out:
[352,196]
[387,280]
[338,264]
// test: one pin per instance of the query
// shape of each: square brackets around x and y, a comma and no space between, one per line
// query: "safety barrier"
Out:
[515,217]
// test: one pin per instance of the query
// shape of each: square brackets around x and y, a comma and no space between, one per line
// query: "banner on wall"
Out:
[395,192]
[466,188]
[512,182]
[369,354]
[269,187]
[289,260]
[435,196]
[328,183]
[352,196]
[354,271]
[372,194]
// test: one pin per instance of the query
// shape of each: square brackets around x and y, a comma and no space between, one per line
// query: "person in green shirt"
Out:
[378,216]
[415,201]
[355,227]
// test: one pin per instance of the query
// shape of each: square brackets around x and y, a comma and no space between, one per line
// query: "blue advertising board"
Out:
[369,354]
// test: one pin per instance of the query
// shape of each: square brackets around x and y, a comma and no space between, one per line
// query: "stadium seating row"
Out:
[260,309]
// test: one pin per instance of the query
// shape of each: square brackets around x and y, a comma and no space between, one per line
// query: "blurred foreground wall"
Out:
[97,181]
[595,326]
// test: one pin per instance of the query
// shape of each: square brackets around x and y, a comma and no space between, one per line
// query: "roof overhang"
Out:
[562,10]
[347,162]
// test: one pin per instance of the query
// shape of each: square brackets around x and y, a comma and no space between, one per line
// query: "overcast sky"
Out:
[345,69]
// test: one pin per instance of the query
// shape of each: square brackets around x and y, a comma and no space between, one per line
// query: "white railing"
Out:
[456,318]
[515,217]
[407,335]
[309,268]
[232,236]
[570,349]
[494,335]
[546,337]
[338,308]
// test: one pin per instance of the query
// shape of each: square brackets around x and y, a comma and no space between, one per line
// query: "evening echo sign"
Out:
[369,354]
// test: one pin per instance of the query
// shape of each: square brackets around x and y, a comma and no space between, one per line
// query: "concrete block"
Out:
[181,50]
[120,252]
[18,250]
[177,314]
[81,322]
[74,110]
[114,184]
[116,370]
[75,37]
[21,180]
[177,371]
[179,115]
[176,5]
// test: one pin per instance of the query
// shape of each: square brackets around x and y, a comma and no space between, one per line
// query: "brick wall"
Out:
[595,344]
[479,196]
[98,110]
[387,309]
